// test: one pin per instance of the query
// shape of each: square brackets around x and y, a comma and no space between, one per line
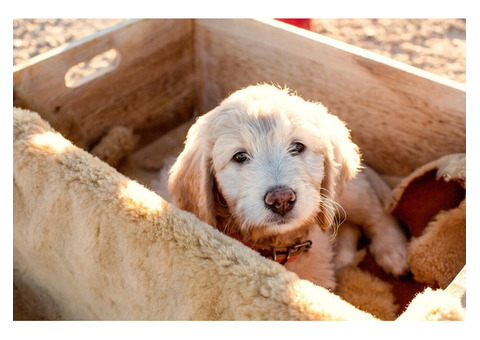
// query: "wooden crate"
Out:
[169,71]
[172,70]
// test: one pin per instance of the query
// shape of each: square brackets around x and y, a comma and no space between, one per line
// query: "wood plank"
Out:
[400,116]
[151,89]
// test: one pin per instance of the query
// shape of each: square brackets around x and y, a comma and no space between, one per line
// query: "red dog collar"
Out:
[280,255]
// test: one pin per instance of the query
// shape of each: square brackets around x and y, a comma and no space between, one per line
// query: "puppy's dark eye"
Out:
[240,157]
[296,149]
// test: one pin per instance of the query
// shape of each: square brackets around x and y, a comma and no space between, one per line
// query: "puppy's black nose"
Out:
[280,200]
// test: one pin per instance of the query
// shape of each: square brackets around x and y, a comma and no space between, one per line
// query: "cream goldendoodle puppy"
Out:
[268,168]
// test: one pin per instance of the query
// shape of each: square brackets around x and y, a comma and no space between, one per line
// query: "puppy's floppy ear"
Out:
[190,183]
[342,163]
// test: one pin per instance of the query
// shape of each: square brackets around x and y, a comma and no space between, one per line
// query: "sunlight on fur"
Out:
[140,199]
[51,141]
[303,292]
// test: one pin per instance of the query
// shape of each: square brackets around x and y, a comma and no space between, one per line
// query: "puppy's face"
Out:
[269,165]
[275,161]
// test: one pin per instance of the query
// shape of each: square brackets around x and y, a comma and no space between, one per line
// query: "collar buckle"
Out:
[286,255]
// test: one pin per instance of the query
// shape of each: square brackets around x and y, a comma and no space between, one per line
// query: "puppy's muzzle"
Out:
[280,200]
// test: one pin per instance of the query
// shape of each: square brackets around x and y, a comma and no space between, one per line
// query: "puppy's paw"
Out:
[349,258]
[390,253]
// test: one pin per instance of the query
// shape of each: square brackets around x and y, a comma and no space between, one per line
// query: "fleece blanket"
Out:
[91,244]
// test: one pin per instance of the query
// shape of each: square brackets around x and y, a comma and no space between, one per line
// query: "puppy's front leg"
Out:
[346,242]
[388,243]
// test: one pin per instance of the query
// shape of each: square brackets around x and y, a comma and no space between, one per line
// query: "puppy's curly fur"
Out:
[258,140]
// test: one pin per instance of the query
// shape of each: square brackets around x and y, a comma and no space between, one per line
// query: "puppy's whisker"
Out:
[335,214]
[326,192]
[230,225]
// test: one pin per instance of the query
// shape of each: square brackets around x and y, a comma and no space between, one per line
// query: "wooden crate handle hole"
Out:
[93,68]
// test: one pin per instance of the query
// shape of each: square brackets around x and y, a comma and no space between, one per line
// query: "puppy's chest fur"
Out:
[317,264]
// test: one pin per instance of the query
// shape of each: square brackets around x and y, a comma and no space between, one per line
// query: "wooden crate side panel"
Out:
[401,117]
[152,87]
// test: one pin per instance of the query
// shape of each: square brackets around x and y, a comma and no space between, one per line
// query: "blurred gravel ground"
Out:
[35,36]
[435,45]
